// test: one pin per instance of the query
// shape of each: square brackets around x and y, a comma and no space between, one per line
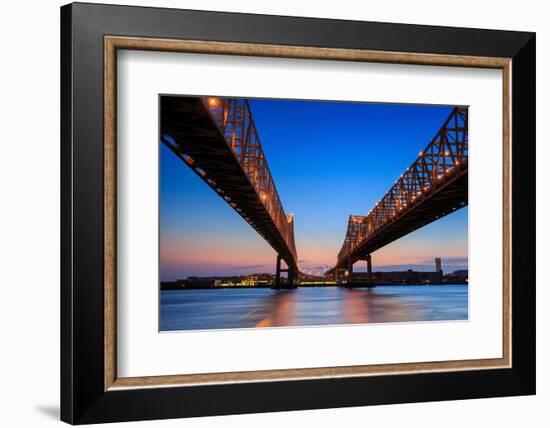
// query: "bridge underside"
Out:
[447,199]
[189,131]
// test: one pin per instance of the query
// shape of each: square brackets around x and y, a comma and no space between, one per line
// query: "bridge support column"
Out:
[339,274]
[350,270]
[291,275]
[278,272]
[369,264]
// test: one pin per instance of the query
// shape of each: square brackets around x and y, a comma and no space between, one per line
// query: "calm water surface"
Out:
[263,307]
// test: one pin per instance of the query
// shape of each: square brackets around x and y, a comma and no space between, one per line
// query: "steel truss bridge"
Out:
[218,140]
[436,184]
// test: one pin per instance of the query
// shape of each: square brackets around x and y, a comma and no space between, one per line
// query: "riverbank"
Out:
[174,286]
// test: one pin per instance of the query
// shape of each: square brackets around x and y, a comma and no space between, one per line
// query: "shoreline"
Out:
[270,286]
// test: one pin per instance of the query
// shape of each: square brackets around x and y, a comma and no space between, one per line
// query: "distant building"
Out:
[207,282]
[258,278]
[172,285]
[398,277]
[199,282]
[438,264]
[408,277]
[192,282]
[457,277]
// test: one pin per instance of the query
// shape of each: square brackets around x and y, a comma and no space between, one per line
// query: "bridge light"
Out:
[213,102]
[420,154]
[446,153]
[188,159]
[456,162]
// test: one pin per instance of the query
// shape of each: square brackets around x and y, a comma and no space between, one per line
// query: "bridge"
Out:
[433,186]
[218,140]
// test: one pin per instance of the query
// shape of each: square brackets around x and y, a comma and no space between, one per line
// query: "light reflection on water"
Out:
[263,307]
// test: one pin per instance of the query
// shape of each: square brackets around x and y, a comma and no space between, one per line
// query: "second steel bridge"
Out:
[433,186]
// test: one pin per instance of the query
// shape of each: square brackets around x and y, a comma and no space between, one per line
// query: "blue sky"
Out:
[328,160]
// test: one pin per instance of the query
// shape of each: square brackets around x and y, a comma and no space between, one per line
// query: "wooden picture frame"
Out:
[91,390]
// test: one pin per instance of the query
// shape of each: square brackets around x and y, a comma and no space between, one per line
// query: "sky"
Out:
[328,160]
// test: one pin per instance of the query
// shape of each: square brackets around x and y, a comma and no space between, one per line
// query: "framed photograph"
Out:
[266,213]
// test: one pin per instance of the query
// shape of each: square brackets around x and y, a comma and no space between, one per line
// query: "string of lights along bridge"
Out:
[217,138]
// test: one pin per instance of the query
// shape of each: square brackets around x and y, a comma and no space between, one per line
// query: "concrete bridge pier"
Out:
[292,275]
[339,274]
[369,265]
[350,269]
[367,259]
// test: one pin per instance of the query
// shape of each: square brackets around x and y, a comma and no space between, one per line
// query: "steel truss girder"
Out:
[434,185]
[217,138]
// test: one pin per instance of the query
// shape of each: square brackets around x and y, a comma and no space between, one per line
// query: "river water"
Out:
[263,307]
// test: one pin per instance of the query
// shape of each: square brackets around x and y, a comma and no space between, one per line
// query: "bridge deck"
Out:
[452,196]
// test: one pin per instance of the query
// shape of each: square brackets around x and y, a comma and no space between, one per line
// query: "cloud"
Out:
[315,270]
[447,267]
[248,267]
